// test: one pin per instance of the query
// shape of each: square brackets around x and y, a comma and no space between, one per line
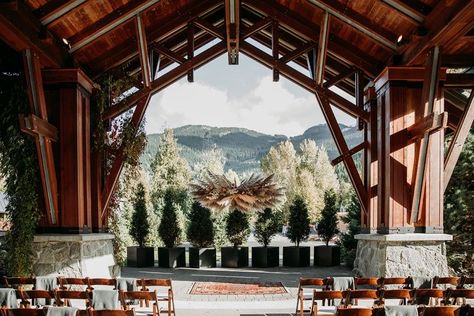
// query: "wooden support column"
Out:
[322,48]
[38,126]
[232,21]
[369,223]
[143,51]
[68,92]
[459,137]
[400,118]
[430,86]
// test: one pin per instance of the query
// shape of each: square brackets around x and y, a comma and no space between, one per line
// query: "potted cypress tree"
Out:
[170,256]
[298,231]
[328,255]
[266,226]
[140,256]
[237,229]
[200,233]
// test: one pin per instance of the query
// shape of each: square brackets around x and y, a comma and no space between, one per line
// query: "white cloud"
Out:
[271,107]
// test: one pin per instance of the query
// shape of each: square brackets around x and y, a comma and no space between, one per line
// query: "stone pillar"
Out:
[74,255]
[393,255]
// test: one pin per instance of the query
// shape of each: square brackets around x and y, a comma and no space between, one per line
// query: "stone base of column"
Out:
[401,255]
[74,255]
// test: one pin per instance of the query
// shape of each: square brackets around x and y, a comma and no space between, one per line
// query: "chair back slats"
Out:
[436,293]
[445,281]
[16,282]
[400,281]
[354,311]
[65,282]
[360,294]
[144,283]
[24,312]
[466,281]
[139,295]
[366,282]
[311,282]
[106,312]
[438,310]
[102,282]
[62,296]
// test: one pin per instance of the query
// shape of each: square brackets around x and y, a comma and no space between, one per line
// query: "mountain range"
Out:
[243,148]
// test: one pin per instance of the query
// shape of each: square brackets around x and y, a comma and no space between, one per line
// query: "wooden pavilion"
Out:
[407,65]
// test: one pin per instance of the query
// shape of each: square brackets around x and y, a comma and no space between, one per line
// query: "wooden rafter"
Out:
[143,51]
[341,145]
[55,9]
[446,23]
[309,31]
[459,137]
[275,49]
[165,80]
[322,48]
[232,22]
[44,146]
[430,86]
[414,10]
[339,77]
[257,27]
[303,49]
[169,54]
[465,80]
[302,80]
[209,28]
[108,23]
[169,27]
[190,52]
[351,152]
[359,22]
[117,165]
[20,29]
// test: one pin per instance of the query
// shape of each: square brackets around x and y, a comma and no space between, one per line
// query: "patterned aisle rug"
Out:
[221,288]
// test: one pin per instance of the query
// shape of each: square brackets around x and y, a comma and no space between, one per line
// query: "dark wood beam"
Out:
[351,152]
[465,80]
[322,48]
[169,54]
[168,28]
[339,77]
[275,49]
[118,163]
[302,80]
[458,60]
[209,28]
[458,140]
[257,27]
[108,23]
[309,31]
[429,93]
[165,80]
[341,145]
[412,9]
[21,30]
[44,148]
[427,125]
[35,126]
[190,52]
[55,9]
[361,23]
[447,22]
[143,51]
[232,22]
[298,52]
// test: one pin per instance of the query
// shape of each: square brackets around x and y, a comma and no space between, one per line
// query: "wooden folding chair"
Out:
[64,296]
[454,296]
[105,312]
[439,311]
[425,296]
[305,283]
[166,283]
[365,283]
[30,298]
[73,283]
[445,282]
[403,295]
[101,282]
[127,297]
[351,297]
[344,311]
[391,283]
[324,296]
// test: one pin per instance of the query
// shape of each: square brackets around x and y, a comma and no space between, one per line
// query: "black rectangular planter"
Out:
[140,257]
[265,257]
[296,256]
[327,256]
[171,257]
[202,257]
[235,257]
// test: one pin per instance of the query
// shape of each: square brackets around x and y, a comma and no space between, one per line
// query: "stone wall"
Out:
[74,255]
[401,255]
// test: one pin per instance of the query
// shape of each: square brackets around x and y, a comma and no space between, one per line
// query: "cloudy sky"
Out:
[225,95]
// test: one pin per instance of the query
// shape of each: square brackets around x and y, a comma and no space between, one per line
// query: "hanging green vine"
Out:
[19,166]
